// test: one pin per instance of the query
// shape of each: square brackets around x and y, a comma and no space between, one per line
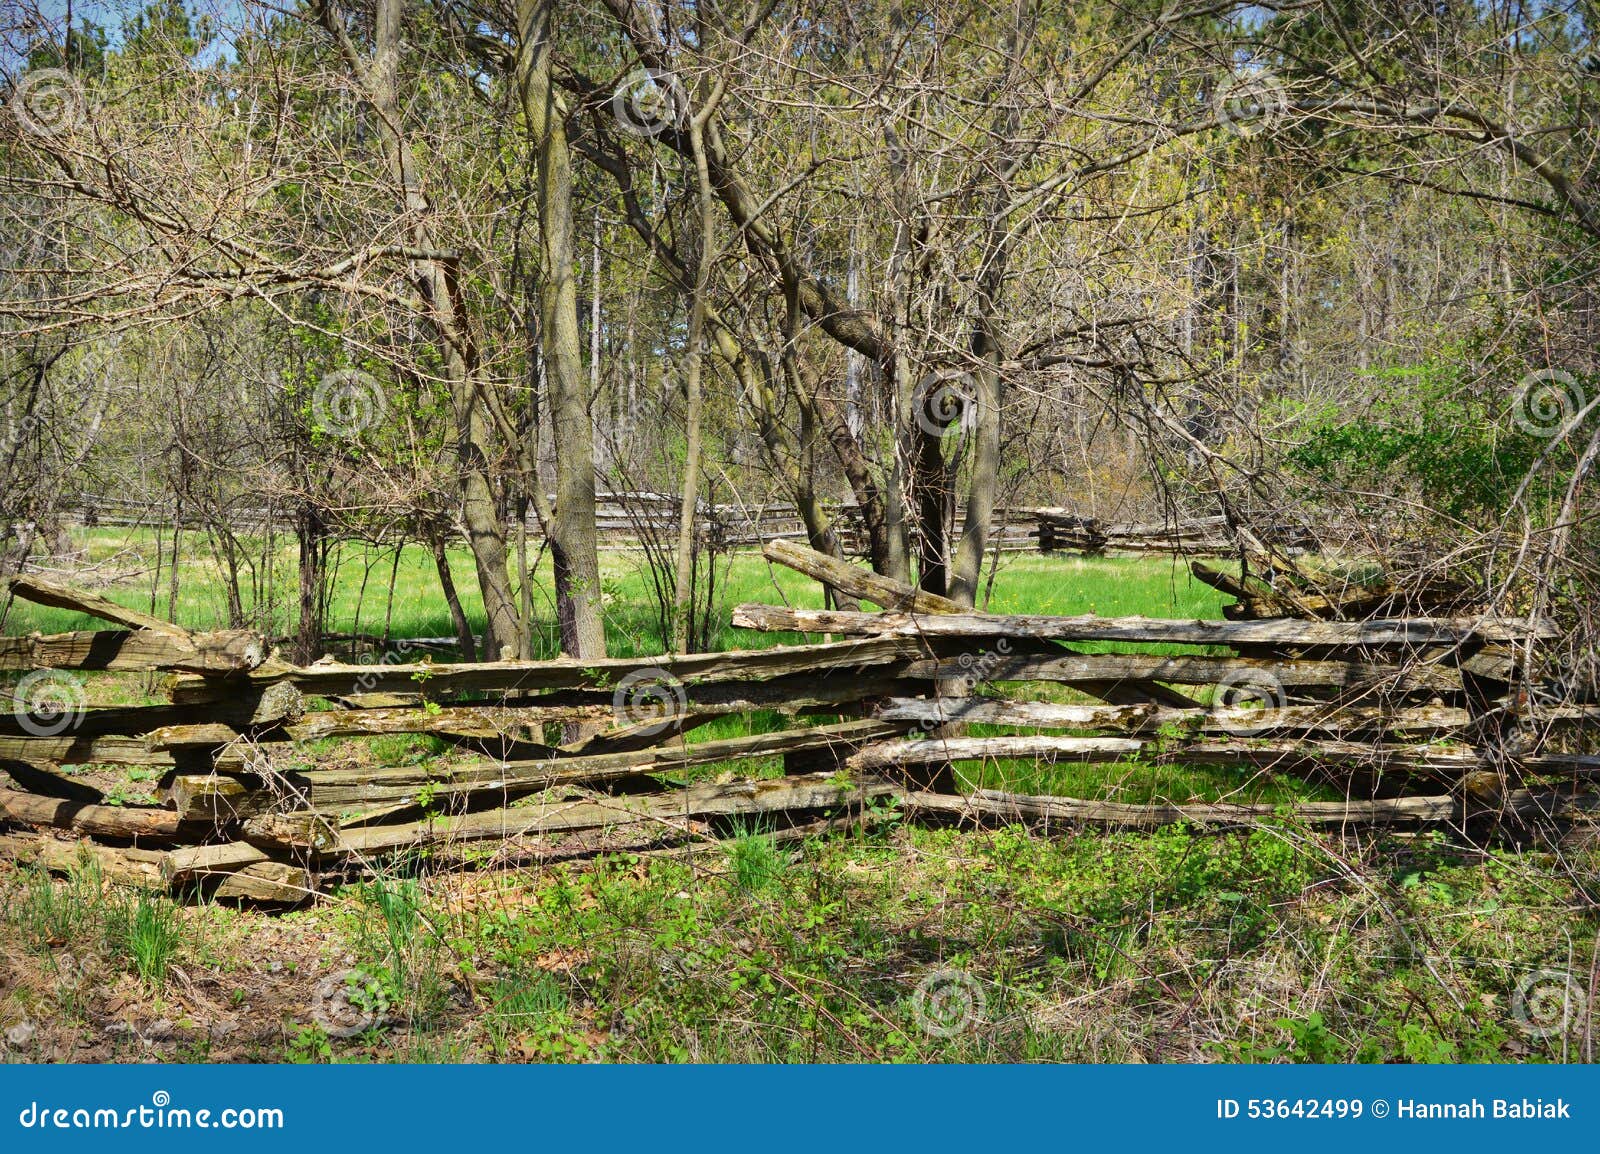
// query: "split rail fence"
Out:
[622,520]
[1414,720]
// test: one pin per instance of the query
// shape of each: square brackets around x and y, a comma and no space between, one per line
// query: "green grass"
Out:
[146,929]
[1270,944]
[362,602]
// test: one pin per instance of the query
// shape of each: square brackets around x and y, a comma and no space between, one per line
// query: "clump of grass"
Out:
[396,749]
[402,949]
[147,931]
[55,913]
[523,1006]
[757,862]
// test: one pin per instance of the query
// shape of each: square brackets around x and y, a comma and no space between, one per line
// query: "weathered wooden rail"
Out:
[263,794]
[623,520]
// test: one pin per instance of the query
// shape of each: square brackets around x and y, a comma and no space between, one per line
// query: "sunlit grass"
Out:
[372,594]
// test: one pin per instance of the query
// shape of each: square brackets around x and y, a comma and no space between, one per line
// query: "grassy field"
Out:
[370,592]
[1271,942]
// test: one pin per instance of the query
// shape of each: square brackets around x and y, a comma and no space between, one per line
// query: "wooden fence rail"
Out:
[624,520]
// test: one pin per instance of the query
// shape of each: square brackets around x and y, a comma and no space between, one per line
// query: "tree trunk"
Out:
[987,337]
[447,583]
[683,586]
[311,532]
[574,549]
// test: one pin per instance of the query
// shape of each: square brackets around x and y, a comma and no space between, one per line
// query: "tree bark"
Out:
[573,546]
[447,584]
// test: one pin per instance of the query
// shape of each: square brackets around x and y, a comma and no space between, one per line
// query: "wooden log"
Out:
[124,866]
[488,720]
[312,831]
[440,682]
[1224,582]
[42,592]
[216,799]
[791,694]
[330,790]
[1257,752]
[205,735]
[938,750]
[1022,808]
[1149,718]
[1114,667]
[218,654]
[856,582]
[814,791]
[1438,761]
[278,883]
[132,822]
[190,863]
[238,705]
[982,627]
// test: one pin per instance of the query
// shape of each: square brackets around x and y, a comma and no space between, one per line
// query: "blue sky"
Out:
[111,14]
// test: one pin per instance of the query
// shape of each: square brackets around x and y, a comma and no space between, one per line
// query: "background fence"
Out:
[622,519]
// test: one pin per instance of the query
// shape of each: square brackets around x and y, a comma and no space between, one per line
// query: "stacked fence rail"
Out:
[1415,720]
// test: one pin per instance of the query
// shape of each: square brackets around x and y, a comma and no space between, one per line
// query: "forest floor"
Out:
[1268,942]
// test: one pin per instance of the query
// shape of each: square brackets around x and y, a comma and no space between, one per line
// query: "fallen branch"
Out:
[857,582]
